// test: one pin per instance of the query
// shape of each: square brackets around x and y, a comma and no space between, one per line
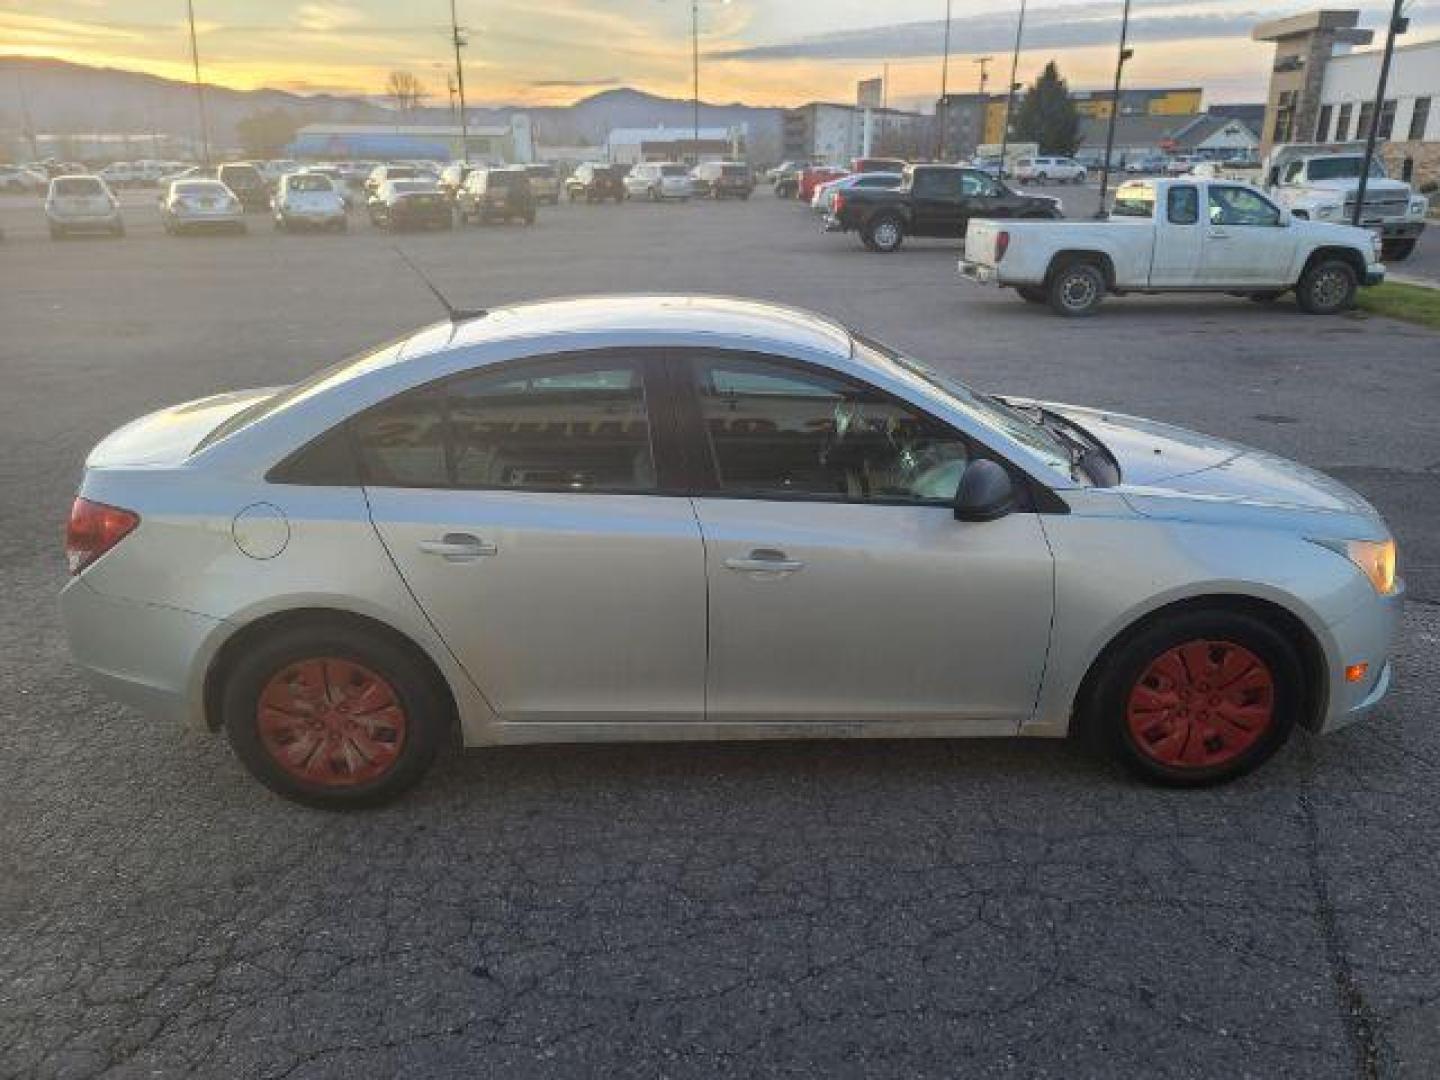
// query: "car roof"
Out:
[682,318]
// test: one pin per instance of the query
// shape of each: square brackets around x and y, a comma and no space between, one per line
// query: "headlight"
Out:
[1420,205]
[1374,558]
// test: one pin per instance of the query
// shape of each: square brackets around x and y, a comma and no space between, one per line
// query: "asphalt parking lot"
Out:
[837,909]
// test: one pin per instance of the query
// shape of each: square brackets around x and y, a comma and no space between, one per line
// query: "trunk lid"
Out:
[169,436]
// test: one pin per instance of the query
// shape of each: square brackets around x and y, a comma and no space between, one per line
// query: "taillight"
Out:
[94,529]
[1002,244]
[837,202]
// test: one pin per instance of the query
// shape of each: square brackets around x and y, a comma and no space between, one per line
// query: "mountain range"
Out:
[47,95]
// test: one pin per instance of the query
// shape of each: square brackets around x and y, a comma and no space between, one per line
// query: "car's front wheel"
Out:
[1327,287]
[1200,698]
[333,717]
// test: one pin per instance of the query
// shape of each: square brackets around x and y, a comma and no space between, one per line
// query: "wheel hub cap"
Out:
[331,722]
[1201,704]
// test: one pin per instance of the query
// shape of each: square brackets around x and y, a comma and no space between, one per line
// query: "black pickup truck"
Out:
[933,200]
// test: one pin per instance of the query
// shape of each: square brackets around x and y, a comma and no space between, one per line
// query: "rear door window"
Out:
[1182,205]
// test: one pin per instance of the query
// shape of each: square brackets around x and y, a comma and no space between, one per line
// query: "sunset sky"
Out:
[763,52]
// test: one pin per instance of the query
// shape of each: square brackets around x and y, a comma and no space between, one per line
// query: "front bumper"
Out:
[1374,274]
[1366,636]
[144,655]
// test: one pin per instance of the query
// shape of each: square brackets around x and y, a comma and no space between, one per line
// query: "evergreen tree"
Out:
[1048,116]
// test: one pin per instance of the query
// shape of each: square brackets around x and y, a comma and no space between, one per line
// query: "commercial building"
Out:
[1209,135]
[442,142]
[833,134]
[973,120]
[1322,91]
[630,146]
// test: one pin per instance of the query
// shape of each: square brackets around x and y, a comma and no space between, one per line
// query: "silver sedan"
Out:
[667,518]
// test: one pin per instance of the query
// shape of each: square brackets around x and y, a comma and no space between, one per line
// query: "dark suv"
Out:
[497,195]
[247,183]
[594,182]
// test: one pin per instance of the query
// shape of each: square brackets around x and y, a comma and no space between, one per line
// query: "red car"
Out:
[812,176]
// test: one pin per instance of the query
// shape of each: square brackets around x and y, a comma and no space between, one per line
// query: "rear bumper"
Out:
[144,655]
[979,273]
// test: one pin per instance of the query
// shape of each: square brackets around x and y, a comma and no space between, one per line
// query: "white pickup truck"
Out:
[1190,234]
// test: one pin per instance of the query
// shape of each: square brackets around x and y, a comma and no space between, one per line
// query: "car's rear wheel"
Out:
[333,717]
[1077,289]
[1327,287]
[1200,698]
[884,233]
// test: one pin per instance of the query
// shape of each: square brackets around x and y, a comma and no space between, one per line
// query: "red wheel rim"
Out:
[1201,704]
[331,722]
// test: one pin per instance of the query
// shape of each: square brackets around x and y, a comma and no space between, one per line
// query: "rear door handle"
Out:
[765,561]
[1219,234]
[458,547]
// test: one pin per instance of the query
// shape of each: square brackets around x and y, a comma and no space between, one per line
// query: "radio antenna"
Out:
[457,315]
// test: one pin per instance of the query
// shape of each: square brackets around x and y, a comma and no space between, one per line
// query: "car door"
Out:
[841,587]
[525,506]
[1247,241]
[935,203]
[1179,243]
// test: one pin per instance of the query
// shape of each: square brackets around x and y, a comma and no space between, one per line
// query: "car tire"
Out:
[1327,287]
[1396,250]
[314,669]
[1031,294]
[883,233]
[1076,289]
[1200,698]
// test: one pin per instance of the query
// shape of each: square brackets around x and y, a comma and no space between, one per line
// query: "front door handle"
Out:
[1219,234]
[458,547]
[765,561]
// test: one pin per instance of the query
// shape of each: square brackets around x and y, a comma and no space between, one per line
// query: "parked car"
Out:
[785,178]
[812,176]
[595,182]
[497,195]
[390,171]
[308,200]
[544,183]
[824,201]
[200,204]
[345,574]
[452,178]
[1042,170]
[120,174]
[1322,182]
[410,204]
[1177,235]
[1180,164]
[82,204]
[722,180]
[18,178]
[658,180]
[932,200]
[338,180]
[1145,165]
[247,183]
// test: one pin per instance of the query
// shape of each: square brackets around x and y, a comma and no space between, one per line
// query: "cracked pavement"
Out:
[898,909]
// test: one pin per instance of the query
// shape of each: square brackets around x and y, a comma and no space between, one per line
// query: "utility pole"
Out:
[1398,25]
[1121,57]
[695,69]
[1010,93]
[199,89]
[459,41]
[942,114]
[25,116]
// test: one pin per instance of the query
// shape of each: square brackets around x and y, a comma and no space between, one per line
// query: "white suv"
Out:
[659,180]
[82,203]
[1044,169]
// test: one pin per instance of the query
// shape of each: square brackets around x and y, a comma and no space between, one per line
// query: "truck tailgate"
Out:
[980,241]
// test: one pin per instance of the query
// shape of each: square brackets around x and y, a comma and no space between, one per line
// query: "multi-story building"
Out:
[1320,93]
[833,134]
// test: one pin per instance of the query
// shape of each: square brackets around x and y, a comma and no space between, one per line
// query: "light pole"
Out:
[459,41]
[199,89]
[1123,55]
[1010,94]
[942,118]
[1398,25]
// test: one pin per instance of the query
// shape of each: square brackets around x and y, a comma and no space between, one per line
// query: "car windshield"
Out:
[212,188]
[1343,168]
[674,170]
[407,187]
[310,182]
[986,411]
[77,185]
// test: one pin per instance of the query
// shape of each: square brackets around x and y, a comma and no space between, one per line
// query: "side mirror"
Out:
[986,492]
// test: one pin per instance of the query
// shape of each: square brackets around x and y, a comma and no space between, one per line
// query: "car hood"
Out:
[1161,459]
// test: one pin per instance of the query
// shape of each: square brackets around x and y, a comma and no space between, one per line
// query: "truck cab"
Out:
[1322,181]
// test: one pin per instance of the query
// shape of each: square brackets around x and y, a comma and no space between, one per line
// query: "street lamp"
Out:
[944,110]
[1124,54]
[695,72]
[1010,95]
[459,41]
[199,89]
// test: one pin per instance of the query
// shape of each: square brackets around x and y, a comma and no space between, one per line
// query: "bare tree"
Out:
[406,91]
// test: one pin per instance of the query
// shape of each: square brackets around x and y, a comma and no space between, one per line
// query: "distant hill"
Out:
[68,98]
